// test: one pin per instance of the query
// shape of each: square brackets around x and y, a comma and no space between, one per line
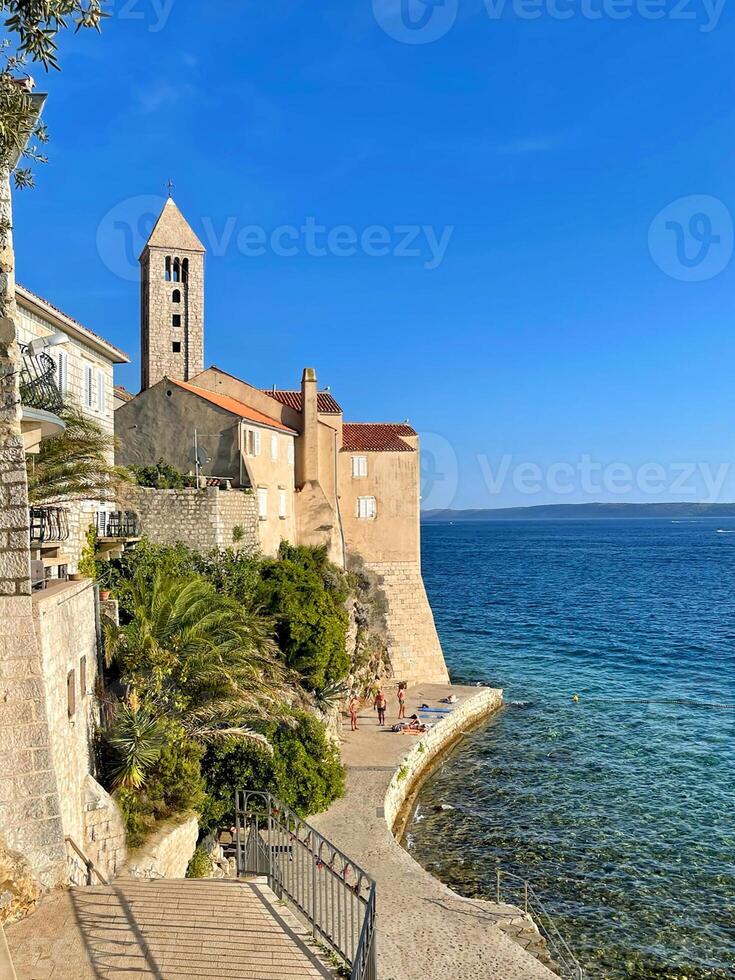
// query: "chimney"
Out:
[309,441]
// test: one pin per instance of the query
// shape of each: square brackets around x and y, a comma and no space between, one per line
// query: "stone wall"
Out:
[428,747]
[413,643]
[167,853]
[201,519]
[104,831]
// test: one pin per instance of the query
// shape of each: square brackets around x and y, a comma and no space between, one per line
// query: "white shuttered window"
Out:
[100,391]
[88,385]
[274,447]
[262,502]
[282,512]
[359,465]
[366,508]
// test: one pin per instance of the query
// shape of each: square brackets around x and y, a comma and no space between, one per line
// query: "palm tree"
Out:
[76,464]
[136,737]
[199,657]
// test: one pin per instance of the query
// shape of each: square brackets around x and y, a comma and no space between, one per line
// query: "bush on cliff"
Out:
[305,595]
[304,771]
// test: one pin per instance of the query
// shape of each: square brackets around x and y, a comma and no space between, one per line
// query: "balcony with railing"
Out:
[49,525]
[40,398]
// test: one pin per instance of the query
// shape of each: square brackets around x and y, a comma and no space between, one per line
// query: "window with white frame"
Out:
[274,446]
[359,465]
[262,503]
[88,385]
[366,508]
[252,442]
[100,391]
[290,452]
[282,504]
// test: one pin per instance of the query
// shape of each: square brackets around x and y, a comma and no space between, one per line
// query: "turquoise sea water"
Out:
[619,809]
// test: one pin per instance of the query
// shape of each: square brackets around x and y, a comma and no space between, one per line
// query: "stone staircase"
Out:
[165,929]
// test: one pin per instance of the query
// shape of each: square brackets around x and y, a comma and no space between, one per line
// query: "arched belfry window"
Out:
[168,268]
[185,270]
[176,297]
[177,270]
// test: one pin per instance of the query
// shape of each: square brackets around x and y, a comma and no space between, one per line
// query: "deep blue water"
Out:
[621,814]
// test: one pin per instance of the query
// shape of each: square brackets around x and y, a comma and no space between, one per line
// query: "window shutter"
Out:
[88,385]
[262,502]
[282,503]
[256,435]
[71,694]
[290,451]
[274,447]
[100,392]
[62,367]
[82,676]
[359,465]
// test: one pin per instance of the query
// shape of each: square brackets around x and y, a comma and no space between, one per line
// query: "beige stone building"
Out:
[315,478]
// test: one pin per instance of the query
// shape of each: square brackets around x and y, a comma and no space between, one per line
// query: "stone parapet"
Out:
[166,854]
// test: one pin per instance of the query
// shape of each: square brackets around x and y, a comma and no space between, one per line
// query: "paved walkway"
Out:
[425,930]
[164,930]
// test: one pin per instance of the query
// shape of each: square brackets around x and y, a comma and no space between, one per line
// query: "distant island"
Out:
[595,511]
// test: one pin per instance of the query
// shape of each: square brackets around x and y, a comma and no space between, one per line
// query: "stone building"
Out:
[316,479]
[79,364]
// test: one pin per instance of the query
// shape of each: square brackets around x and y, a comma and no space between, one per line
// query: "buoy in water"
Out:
[575,697]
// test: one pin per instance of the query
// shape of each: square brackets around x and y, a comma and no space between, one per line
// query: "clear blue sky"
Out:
[546,333]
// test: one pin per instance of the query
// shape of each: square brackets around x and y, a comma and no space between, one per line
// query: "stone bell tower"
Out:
[171,301]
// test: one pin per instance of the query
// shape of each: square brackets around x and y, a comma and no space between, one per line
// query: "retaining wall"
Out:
[167,853]
[201,519]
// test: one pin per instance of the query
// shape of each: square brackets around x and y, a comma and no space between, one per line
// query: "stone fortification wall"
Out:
[201,519]
[413,643]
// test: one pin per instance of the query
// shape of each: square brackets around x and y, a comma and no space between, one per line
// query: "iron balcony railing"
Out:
[522,894]
[49,524]
[38,386]
[121,524]
[333,893]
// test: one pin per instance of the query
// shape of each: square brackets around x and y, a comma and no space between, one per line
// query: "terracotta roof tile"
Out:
[376,437]
[173,231]
[233,405]
[325,403]
[122,393]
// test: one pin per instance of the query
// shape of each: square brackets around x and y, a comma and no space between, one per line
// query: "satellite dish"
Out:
[198,456]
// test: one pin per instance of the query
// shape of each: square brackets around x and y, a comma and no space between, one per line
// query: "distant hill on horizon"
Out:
[593,511]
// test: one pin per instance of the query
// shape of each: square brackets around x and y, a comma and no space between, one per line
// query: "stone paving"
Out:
[425,930]
[164,929]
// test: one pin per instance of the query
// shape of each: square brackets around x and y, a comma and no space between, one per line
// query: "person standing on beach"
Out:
[381,703]
[401,700]
[353,707]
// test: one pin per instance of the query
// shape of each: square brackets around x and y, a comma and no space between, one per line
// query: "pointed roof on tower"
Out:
[172,230]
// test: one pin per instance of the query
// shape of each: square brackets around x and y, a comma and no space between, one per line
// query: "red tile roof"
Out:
[233,406]
[325,403]
[122,393]
[376,437]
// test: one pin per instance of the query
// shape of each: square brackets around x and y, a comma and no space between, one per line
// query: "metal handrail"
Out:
[334,894]
[121,524]
[88,863]
[37,382]
[564,958]
[49,524]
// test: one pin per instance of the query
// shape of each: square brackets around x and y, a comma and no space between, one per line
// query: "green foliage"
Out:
[238,533]
[304,770]
[306,595]
[88,561]
[172,782]
[201,864]
[75,464]
[136,739]
[161,476]
[36,23]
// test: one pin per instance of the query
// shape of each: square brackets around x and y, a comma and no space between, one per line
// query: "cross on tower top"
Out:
[170,186]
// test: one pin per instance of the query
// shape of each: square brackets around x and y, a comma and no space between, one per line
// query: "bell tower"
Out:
[171,301]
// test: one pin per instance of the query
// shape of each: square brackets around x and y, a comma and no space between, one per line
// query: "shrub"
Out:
[305,594]
[161,476]
[201,864]
[304,770]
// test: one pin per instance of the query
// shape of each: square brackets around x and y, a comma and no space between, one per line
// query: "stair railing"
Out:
[89,866]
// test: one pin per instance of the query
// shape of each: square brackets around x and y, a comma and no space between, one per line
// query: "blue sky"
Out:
[558,325]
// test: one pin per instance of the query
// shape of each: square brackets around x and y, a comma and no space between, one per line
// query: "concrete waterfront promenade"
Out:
[425,930]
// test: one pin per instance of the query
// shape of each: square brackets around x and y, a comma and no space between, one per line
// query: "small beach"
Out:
[427,932]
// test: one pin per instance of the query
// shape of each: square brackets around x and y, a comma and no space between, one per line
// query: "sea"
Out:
[608,780]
